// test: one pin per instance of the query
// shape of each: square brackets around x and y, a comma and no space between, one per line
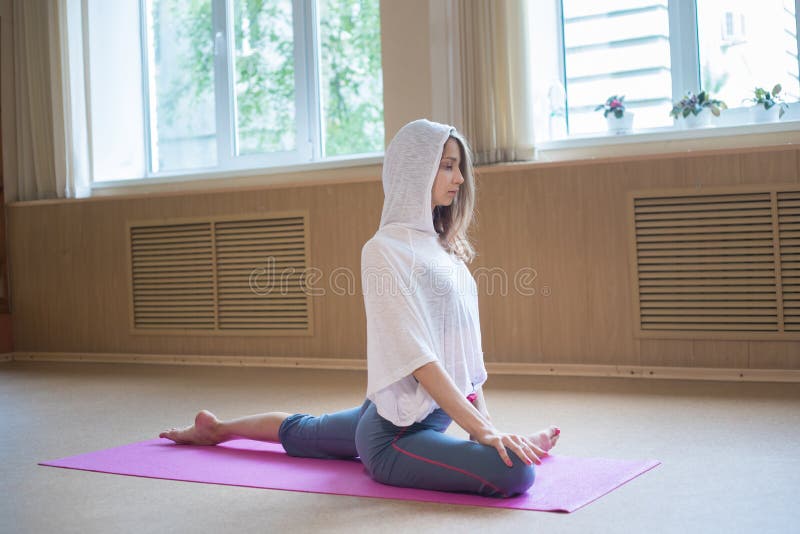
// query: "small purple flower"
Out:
[613,105]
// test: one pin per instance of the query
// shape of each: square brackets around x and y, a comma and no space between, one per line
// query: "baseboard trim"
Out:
[647,372]
[360,364]
[183,359]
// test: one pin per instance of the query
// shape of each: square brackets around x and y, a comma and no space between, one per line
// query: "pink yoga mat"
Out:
[563,483]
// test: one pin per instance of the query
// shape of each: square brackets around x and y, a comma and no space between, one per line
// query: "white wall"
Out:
[405,53]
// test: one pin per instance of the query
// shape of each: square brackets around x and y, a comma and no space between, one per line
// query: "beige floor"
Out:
[729,452]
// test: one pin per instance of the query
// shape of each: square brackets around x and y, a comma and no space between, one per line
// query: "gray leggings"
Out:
[416,456]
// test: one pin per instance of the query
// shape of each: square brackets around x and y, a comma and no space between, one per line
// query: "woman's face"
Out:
[449,178]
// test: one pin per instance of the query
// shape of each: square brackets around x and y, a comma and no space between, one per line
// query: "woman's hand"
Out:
[440,386]
[523,447]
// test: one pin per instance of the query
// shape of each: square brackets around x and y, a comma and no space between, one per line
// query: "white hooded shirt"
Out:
[421,302]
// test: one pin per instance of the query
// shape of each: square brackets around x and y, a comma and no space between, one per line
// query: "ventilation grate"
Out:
[222,276]
[173,279]
[259,268]
[707,262]
[789,237]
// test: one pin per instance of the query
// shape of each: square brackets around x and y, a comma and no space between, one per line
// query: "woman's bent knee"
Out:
[515,479]
[288,431]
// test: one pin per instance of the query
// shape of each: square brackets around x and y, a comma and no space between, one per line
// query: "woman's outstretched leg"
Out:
[209,430]
[326,436]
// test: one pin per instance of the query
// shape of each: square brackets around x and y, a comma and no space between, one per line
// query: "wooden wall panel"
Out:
[774,355]
[605,239]
[719,353]
[69,271]
[567,222]
[612,323]
[713,170]
[668,352]
[797,158]
[511,268]
[769,167]
[6,337]
[564,263]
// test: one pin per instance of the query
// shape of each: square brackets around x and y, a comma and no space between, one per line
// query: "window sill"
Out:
[358,168]
[669,139]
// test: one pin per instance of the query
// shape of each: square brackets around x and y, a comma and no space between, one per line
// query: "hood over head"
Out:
[410,165]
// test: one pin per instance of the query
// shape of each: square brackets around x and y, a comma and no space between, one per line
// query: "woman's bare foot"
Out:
[204,431]
[546,439]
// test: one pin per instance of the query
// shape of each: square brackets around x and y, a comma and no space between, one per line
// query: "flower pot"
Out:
[696,121]
[619,126]
[792,113]
[759,114]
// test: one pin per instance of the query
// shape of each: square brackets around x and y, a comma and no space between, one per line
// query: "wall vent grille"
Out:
[721,262]
[789,228]
[241,275]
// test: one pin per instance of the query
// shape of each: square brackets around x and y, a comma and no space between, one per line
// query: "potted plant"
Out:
[767,106]
[690,111]
[619,122]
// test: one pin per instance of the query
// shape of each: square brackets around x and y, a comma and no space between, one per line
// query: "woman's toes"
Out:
[555,432]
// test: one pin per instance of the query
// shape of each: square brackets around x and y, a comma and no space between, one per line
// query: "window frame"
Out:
[309,151]
[686,57]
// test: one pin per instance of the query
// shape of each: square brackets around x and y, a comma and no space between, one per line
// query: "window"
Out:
[654,51]
[742,45]
[195,86]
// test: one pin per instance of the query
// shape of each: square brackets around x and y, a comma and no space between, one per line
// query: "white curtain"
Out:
[491,90]
[45,149]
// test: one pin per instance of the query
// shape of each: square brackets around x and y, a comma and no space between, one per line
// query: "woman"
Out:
[424,357]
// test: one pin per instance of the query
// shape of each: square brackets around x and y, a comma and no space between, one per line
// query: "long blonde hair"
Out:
[452,222]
